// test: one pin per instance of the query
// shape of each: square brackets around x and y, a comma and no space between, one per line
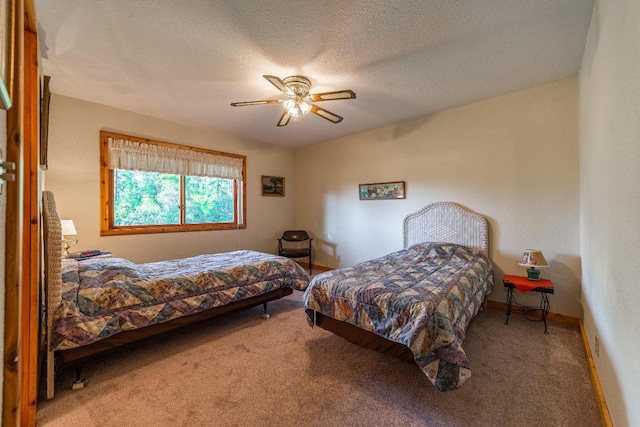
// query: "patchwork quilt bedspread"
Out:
[423,297]
[104,296]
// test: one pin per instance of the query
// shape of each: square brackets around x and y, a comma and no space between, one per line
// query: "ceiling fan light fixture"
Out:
[297,106]
[305,106]
[299,101]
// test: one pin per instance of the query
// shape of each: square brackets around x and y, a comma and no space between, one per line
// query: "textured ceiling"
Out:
[187,60]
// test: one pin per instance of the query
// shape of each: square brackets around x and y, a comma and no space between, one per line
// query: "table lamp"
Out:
[68,229]
[533,258]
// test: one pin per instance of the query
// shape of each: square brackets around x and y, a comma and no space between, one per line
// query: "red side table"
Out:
[543,286]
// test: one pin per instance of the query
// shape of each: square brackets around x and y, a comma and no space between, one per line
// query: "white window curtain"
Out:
[133,155]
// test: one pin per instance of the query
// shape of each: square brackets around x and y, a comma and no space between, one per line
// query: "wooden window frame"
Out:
[107,227]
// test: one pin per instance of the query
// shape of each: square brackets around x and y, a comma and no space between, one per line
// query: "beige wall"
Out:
[513,159]
[73,176]
[610,201]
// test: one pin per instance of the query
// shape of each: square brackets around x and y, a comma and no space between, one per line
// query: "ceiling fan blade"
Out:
[284,119]
[245,103]
[330,96]
[277,82]
[326,114]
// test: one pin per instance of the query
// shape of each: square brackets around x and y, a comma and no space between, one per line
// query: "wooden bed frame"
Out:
[53,284]
[437,222]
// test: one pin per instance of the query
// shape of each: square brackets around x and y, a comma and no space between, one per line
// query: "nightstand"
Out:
[543,286]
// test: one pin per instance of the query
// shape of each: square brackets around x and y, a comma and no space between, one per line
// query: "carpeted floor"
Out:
[241,370]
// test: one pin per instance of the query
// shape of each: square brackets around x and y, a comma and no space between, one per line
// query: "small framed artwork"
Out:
[382,191]
[44,123]
[272,185]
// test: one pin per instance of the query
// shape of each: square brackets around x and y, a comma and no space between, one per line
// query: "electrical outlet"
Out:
[597,346]
[339,258]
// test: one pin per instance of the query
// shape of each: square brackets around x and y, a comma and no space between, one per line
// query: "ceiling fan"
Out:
[299,101]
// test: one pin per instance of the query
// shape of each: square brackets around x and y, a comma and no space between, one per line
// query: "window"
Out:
[156,187]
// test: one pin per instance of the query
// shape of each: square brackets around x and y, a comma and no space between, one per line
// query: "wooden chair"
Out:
[289,245]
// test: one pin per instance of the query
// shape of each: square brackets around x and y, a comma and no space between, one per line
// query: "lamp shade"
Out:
[533,258]
[68,229]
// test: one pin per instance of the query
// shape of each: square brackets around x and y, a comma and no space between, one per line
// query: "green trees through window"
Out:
[208,200]
[151,198]
[136,201]
[145,198]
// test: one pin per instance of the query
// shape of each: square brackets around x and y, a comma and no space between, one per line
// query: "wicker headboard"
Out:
[52,255]
[446,222]
[53,275]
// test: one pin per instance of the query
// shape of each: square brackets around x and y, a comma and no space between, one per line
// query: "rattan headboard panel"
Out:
[52,256]
[446,222]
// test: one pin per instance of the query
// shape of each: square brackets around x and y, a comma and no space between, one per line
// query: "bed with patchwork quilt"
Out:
[102,303]
[416,303]
[105,296]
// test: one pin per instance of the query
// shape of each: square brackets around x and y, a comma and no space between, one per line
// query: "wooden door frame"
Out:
[30,316]
[22,243]
[14,230]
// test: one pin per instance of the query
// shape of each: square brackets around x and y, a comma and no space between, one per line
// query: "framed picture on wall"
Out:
[382,191]
[272,185]
[44,124]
